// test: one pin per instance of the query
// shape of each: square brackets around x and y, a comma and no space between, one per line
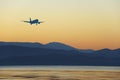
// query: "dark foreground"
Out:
[58,75]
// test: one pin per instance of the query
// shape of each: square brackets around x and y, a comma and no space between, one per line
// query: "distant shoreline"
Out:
[43,67]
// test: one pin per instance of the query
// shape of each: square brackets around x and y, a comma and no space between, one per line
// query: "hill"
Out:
[39,54]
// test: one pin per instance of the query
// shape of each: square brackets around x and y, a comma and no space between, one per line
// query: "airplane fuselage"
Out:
[36,21]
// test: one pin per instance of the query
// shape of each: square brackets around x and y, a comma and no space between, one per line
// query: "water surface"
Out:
[108,68]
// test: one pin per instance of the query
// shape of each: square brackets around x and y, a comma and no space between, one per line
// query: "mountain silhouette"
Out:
[24,44]
[60,46]
[52,45]
[24,53]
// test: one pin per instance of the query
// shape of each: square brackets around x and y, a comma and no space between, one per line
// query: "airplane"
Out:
[35,21]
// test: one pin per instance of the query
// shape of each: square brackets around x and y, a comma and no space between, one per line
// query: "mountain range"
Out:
[55,53]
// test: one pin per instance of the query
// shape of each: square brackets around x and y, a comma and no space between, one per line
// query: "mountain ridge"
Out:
[48,45]
[24,55]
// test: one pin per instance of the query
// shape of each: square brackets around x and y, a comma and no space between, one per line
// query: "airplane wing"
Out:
[27,21]
[41,21]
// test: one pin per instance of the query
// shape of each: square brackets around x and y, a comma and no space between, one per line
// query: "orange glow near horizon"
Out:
[84,24]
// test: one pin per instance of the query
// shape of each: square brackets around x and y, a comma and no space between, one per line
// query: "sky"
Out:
[84,24]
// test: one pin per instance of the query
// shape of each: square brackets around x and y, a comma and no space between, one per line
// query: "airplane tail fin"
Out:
[30,19]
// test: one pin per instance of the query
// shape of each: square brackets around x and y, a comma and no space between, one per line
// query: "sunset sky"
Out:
[84,24]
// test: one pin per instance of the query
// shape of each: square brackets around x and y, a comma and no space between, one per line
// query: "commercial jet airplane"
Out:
[35,21]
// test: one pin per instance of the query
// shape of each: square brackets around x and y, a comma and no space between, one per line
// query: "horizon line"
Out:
[57,42]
